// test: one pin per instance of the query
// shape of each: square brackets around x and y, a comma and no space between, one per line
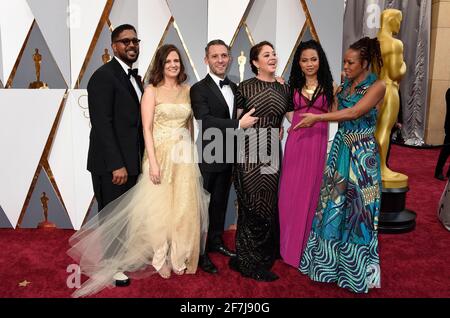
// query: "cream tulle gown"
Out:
[150,225]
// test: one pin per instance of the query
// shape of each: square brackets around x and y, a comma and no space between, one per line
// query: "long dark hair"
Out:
[370,51]
[157,71]
[297,78]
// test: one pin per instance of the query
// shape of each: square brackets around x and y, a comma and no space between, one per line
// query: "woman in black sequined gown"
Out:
[257,172]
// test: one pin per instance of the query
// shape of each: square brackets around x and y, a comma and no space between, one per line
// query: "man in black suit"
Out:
[213,104]
[116,141]
[445,151]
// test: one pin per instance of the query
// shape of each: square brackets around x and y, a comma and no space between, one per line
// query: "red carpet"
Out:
[415,264]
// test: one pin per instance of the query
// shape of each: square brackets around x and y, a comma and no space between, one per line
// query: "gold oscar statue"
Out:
[393,70]
[37,58]
[106,57]
[241,61]
[45,224]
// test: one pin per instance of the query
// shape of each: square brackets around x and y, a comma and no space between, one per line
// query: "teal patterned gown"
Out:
[343,243]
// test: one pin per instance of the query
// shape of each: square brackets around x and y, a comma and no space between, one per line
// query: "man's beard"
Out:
[125,58]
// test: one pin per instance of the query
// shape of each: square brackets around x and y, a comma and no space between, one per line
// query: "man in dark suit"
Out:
[116,141]
[445,151]
[213,104]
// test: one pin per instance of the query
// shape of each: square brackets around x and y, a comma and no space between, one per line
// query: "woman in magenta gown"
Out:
[311,84]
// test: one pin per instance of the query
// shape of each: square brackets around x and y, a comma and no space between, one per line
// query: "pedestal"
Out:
[38,85]
[46,225]
[394,217]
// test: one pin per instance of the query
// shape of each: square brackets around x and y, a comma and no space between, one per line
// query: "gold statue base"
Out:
[38,85]
[394,217]
[46,225]
[394,180]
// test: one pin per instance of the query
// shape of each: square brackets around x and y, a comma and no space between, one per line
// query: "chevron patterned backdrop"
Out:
[44,133]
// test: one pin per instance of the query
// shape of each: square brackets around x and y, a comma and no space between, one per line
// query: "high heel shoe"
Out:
[180,272]
[164,271]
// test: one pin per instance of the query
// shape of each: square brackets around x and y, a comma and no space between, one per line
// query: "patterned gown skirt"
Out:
[343,244]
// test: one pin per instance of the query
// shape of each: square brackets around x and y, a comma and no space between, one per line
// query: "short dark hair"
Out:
[115,34]
[215,42]
[254,52]
[157,71]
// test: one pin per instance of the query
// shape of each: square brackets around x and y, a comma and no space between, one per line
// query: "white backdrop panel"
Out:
[15,22]
[124,12]
[26,118]
[69,154]
[224,18]
[290,21]
[154,16]
[1,59]
[261,20]
[84,18]
[192,20]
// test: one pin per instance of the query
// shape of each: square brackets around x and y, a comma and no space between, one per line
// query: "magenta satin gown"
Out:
[301,176]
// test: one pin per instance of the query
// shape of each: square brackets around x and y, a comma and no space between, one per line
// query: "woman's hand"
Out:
[155,174]
[307,121]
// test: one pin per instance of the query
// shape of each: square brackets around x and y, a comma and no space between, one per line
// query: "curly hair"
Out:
[297,78]
[370,51]
[157,71]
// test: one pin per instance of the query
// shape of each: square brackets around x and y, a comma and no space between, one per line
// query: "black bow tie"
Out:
[226,81]
[133,72]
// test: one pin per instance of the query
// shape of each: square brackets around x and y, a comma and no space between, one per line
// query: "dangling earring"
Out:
[258,70]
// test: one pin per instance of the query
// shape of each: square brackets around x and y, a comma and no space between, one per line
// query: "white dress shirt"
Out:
[132,79]
[226,92]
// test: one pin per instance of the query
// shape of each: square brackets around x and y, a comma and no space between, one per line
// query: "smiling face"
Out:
[126,47]
[353,66]
[172,65]
[267,60]
[218,60]
[309,62]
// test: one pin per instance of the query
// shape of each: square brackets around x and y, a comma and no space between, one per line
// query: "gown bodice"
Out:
[172,114]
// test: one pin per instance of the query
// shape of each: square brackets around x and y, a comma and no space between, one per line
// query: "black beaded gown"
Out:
[256,177]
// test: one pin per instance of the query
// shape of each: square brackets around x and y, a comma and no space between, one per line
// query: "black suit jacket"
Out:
[210,107]
[116,138]
[447,114]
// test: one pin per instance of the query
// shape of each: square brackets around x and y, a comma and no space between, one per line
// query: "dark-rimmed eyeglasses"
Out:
[127,42]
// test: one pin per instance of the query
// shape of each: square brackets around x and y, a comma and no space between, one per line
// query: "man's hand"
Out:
[120,176]
[280,80]
[248,120]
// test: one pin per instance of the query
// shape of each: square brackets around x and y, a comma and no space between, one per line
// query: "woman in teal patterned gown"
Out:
[343,243]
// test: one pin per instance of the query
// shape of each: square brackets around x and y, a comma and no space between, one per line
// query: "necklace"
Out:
[310,90]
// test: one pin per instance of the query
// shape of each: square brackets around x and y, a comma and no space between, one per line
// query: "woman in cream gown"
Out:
[160,224]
